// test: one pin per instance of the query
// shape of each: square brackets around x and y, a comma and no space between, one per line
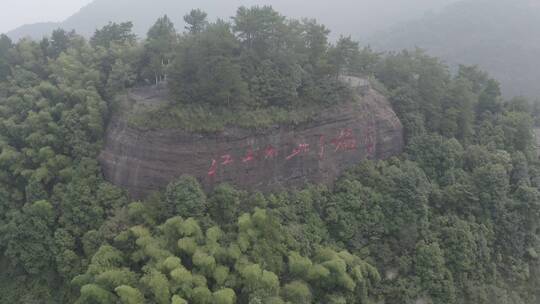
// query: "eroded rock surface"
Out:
[279,157]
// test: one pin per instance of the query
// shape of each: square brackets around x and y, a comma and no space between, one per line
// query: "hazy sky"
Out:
[375,13]
[18,12]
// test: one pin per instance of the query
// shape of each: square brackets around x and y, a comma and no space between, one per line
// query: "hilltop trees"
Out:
[206,68]
[160,43]
[259,28]
[343,55]
[60,41]
[490,98]
[196,21]
[113,32]
[261,59]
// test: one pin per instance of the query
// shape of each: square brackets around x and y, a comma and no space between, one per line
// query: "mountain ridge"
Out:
[501,37]
[343,16]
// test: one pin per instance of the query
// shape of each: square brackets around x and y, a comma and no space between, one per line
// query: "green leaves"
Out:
[130,295]
[259,28]
[113,33]
[29,237]
[186,198]
[196,21]
[299,266]
[259,60]
[158,49]
[92,293]
[224,296]
[297,292]
[206,272]
[158,285]
[206,69]
[434,277]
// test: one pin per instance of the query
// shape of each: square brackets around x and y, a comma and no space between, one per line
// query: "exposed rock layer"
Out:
[277,158]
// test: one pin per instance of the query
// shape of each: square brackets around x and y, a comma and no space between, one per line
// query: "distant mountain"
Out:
[99,12]
[35,30]
[502,37]
[355,17]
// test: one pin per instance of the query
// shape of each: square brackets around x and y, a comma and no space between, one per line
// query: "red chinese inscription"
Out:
[345,141]
[302,148]
[321,147]
[270,152]
[213,169]
[250,156]
[227,159]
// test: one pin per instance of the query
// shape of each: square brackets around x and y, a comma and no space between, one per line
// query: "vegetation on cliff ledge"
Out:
[452,220]
[258,70]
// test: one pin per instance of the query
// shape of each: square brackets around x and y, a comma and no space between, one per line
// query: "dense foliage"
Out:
[259,65]
[452,220]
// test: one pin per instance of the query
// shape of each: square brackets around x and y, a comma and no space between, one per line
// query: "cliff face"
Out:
[280,157]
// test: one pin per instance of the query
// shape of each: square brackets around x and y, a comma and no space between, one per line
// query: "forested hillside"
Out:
[452,220]
[500,36]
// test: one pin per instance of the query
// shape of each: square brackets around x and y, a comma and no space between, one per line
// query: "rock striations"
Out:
[280,157]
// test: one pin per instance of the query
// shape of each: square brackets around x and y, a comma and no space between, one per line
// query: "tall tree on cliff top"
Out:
[60,41]
[159,47]
[259,28]
[316,41]
[343,55]
[196,21]
[490,98]
[206,68]
[113,32]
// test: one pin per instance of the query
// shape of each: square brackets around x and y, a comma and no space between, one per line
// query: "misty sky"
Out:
[18,12]
[15,13]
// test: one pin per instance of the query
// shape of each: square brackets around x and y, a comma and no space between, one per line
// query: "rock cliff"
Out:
[277,158]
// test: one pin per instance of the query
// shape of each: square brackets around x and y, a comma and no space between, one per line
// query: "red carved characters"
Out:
[213,169]
[302,148]
[227,160]
[345,141]
[270,152]
[321,147]
[250,156]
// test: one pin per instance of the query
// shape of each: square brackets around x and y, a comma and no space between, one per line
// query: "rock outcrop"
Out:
[277,158]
